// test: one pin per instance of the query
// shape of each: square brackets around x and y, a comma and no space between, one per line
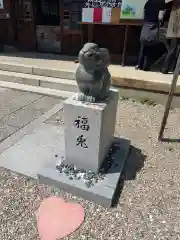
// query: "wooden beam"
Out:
[170,98]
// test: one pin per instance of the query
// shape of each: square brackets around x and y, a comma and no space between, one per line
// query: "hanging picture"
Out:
[131,9]
[111,15]
[106,15]
[115,18]
[87,15]
[97,15]
[1,4]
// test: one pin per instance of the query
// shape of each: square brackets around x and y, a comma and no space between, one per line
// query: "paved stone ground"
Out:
[17,109]
[148,207]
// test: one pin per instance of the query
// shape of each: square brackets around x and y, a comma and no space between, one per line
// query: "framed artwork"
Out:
[87,15]
[132,9]
[106,15]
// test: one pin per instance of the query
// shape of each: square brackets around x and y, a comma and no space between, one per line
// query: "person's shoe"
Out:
[138,67]
[164,71]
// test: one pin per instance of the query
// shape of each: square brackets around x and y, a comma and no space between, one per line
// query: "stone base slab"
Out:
[33,150]
[103,191]
[33,154]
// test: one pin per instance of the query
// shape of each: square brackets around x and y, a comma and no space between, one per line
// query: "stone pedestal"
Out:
[87,136]
[89,131]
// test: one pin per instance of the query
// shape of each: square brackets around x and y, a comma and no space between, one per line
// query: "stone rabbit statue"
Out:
[92,75]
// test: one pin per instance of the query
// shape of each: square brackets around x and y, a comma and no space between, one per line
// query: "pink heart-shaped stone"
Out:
[57,219]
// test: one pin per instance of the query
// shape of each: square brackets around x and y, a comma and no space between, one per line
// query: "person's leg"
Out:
[171,55]
[159,53]
[141,58]
[149,58]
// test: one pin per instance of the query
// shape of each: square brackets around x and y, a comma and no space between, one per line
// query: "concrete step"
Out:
[123,77]
[36,89]
[158,98]
[37,70]
[42,81]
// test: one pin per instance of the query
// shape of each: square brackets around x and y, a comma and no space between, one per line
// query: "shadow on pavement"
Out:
[134,163]
[171,140]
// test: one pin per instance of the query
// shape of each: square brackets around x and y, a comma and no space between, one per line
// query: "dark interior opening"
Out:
[47,12]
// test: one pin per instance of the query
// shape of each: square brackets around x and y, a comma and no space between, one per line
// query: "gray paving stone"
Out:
[33,151]
[8,94]
[8,142]
[13,95]
[46,102]
[6,131]
[27,98]
[12,101]
[22,116]
[56,119]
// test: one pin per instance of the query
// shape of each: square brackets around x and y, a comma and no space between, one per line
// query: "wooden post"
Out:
[61,16]
[125,45]
[170,97]
[90,32]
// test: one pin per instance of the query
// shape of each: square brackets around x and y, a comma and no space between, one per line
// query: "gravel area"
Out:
[148,207]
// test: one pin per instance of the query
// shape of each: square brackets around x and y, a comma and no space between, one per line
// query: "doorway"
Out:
[23,15]
[48,27]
